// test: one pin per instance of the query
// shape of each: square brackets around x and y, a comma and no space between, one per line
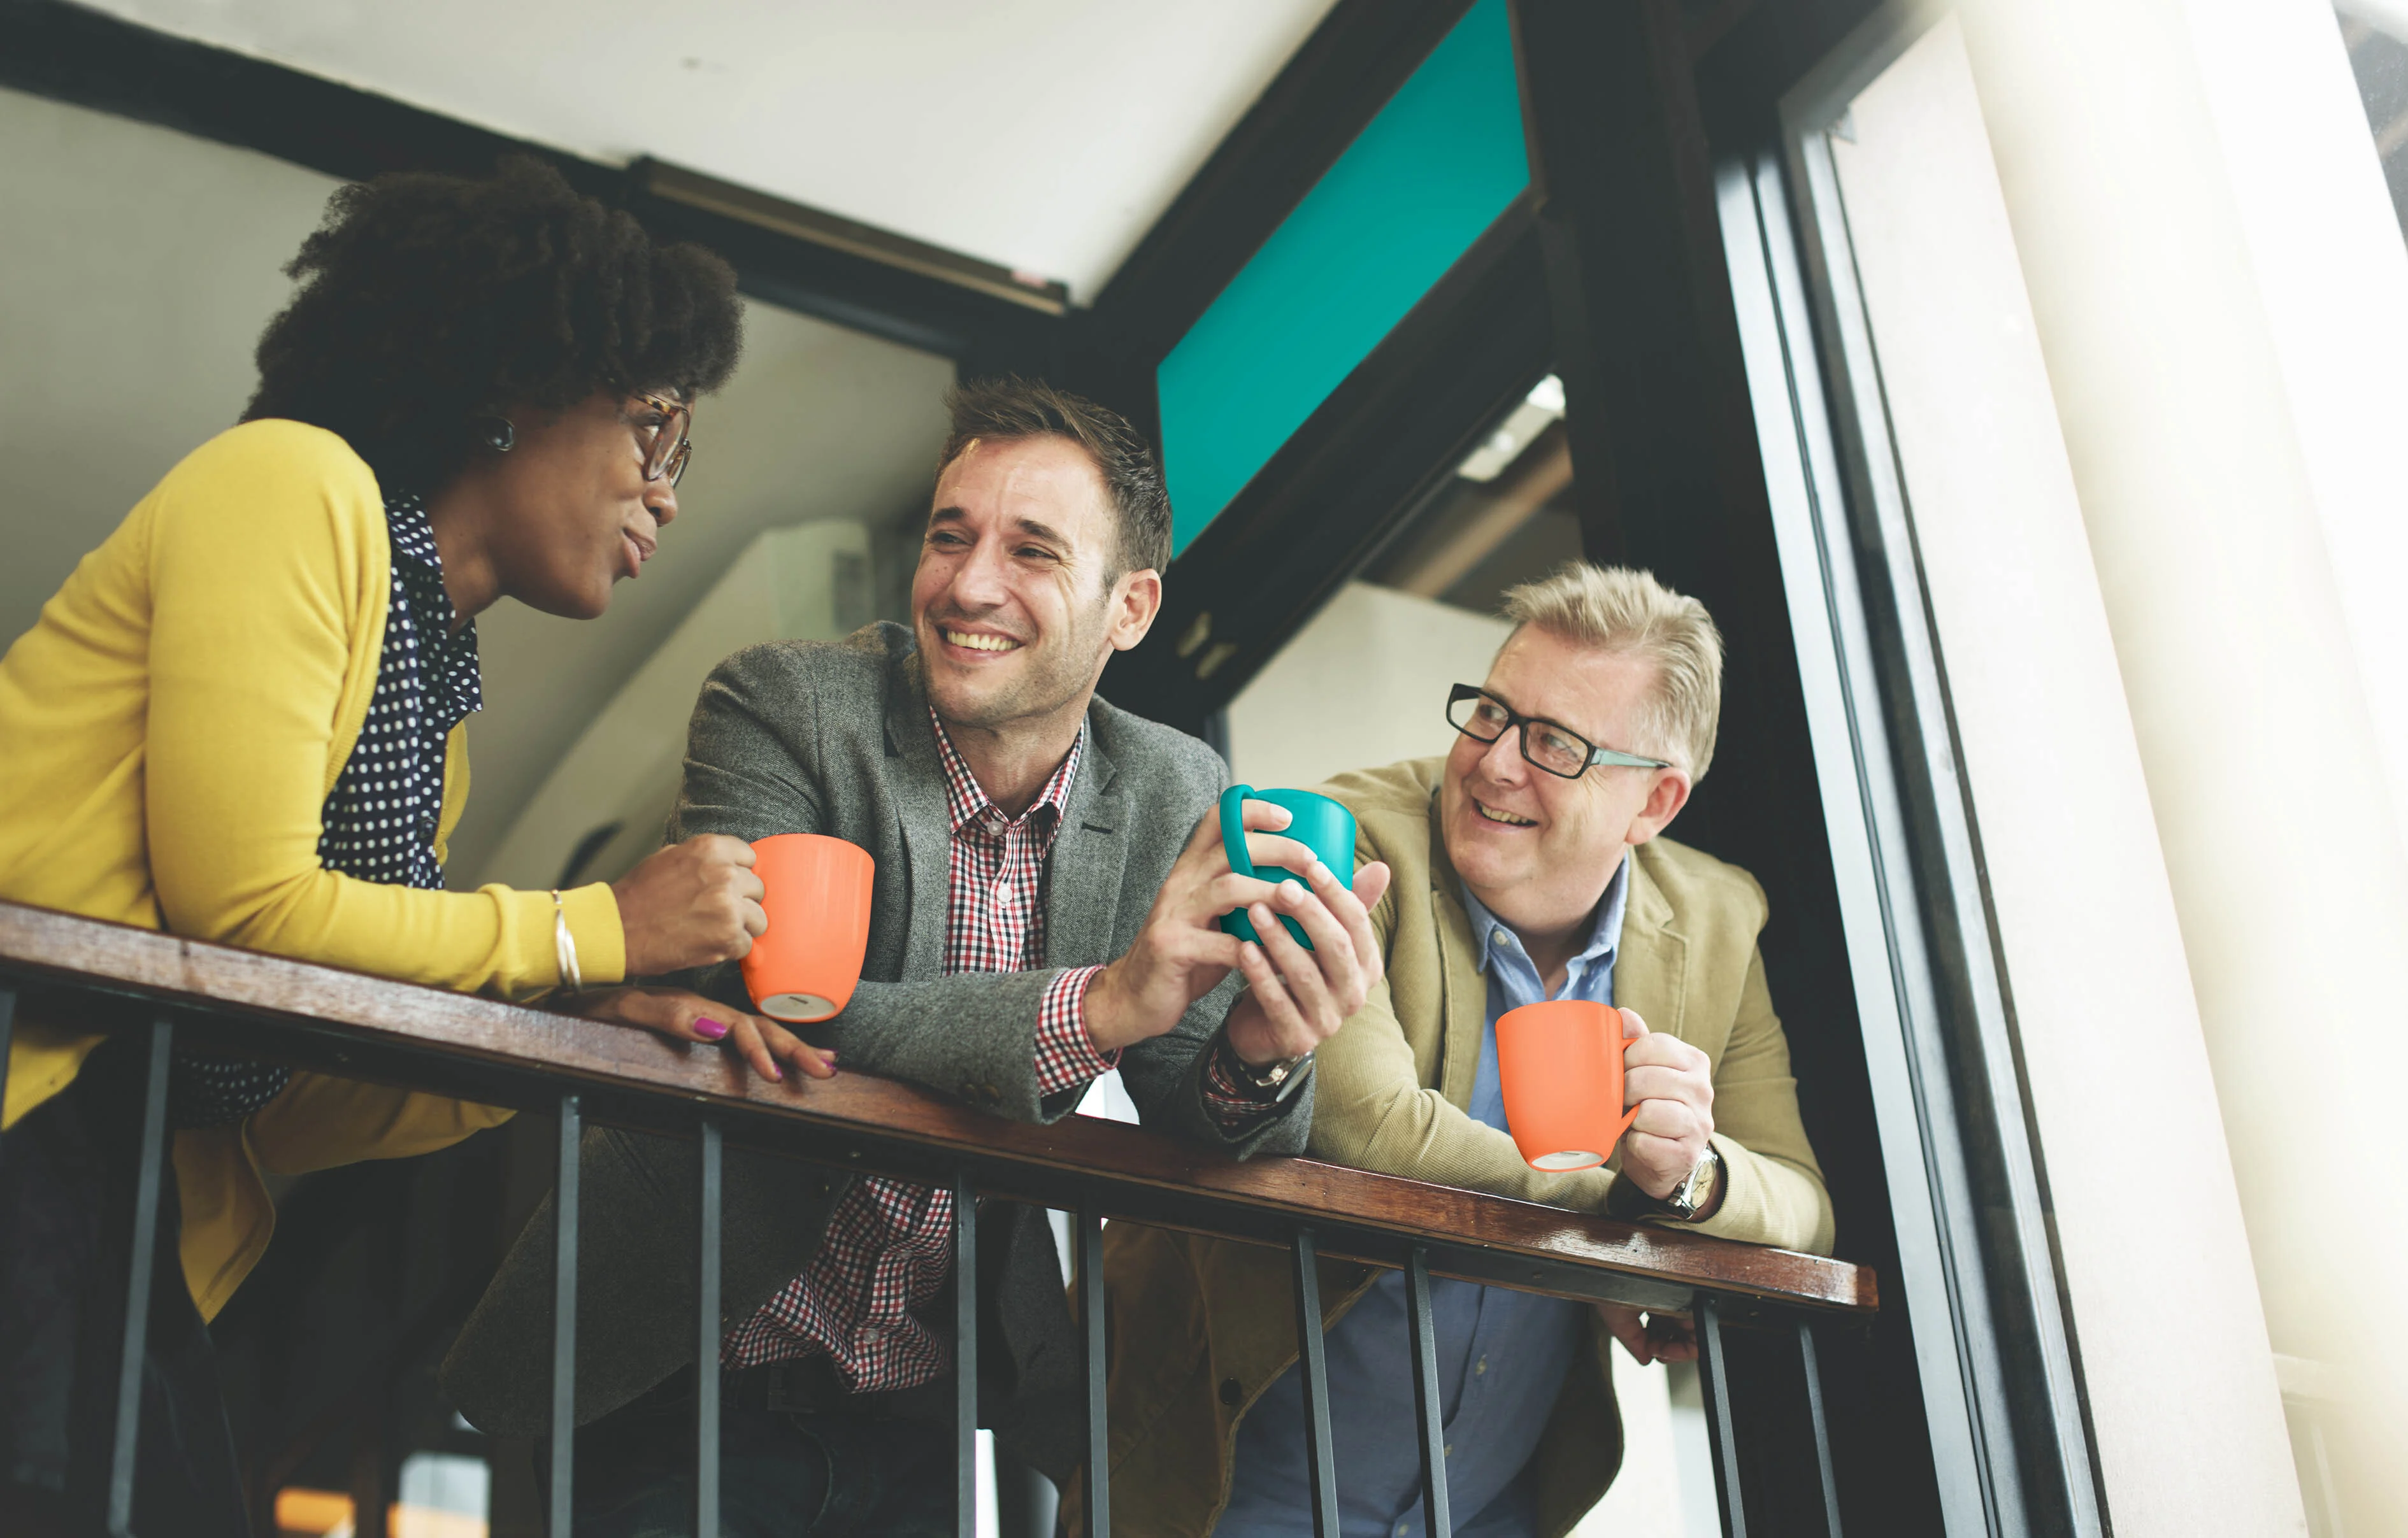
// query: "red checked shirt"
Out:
[889,1243]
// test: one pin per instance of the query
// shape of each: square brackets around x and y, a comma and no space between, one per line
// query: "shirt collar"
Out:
[413,535]
[966,803]
[458,683]
[1605,938]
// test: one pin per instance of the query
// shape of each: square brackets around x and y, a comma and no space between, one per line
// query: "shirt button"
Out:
[1481,1368]
[1450,1449]
[872,1335]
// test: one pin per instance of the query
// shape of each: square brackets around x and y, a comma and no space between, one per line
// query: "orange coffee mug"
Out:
[1560,1063]
[805,965]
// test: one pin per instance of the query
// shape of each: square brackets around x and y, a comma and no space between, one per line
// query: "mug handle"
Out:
[1233,829]
[1630,1113]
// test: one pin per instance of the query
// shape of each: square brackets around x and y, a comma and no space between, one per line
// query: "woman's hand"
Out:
[690,904]
[690,1016]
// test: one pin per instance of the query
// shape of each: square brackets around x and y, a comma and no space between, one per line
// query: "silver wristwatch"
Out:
[1689,1198]
[1278,1079]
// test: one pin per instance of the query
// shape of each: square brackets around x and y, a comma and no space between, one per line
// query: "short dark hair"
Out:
[1011,408]
[426,299]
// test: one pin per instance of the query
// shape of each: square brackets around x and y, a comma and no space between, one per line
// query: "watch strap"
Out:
[1273,1082]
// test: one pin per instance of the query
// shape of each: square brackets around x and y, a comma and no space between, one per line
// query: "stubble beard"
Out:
[1050,683]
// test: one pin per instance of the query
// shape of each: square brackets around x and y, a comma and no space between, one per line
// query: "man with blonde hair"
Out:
[1547,878]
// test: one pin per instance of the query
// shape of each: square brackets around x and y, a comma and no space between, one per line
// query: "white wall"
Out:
[797,584]
[141,264]
[1363,684]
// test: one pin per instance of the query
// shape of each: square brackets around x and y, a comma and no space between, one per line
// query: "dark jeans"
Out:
[67,1173]
[782,1475]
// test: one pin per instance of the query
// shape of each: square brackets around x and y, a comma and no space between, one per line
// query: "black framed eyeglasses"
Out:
[668,447]
[1484,717]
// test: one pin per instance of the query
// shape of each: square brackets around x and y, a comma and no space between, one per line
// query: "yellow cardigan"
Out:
[170,730]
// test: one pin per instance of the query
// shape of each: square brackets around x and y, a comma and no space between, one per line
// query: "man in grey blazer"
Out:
[1046,893]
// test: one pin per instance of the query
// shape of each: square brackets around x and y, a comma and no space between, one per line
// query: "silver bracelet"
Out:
[564,946]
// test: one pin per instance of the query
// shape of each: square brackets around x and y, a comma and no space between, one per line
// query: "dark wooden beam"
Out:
[1345,482]
[1304,120]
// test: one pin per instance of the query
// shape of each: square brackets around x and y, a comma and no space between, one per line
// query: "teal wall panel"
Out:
[1409,195]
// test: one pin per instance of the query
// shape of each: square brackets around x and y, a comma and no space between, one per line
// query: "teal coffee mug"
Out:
[1317,822]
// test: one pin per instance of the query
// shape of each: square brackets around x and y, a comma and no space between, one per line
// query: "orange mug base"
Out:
[1571,1159]
[797,1008]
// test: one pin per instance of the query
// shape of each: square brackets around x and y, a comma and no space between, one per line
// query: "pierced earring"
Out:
[499,435]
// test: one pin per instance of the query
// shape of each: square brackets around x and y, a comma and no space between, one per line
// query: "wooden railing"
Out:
[107,976]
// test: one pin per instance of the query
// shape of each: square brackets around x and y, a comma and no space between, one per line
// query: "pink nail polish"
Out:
[709,1030]
[776,1075]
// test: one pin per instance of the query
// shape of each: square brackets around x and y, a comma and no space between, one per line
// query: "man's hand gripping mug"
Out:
[1317,822]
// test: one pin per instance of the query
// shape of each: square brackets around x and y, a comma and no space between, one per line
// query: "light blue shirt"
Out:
[1502,1355]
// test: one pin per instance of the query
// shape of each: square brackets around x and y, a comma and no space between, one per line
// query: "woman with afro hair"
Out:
[240,720]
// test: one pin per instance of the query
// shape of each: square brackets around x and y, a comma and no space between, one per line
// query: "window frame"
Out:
[2008,1416]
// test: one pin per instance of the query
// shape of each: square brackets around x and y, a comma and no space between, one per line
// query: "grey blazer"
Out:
[835,738]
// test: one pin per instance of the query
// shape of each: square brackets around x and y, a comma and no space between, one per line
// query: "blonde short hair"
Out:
[1614,608]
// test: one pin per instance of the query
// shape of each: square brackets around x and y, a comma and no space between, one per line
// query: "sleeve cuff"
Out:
[1066,1054]
[1233,1103]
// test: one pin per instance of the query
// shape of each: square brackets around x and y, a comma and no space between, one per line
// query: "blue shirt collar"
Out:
[1488,932]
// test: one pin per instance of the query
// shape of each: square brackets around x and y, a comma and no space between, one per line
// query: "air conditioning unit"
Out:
[604,805]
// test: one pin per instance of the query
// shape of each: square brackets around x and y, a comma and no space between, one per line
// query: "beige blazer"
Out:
[1198,1328]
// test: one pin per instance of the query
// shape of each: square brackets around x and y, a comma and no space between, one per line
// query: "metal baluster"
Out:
[1435,1521]
[1713,1382]
[560,1504]
[1090,1352]
[707,1262]
[142,1256]
[8,1029]
[1830,1486]
[965,1355]
[1317,1387]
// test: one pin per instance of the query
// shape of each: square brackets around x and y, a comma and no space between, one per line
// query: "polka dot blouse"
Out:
[379,819]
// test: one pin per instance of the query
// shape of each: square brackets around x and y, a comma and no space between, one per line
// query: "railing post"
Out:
[1090,1352]
[707,1262]
[1828,1485]
[561,1501]
[1316,1387]
[142,1259]
[1428,1411]
[7,1031]
[965,1346]
[1713,1383]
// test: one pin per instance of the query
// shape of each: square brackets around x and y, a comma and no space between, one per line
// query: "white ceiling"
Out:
[1044,134]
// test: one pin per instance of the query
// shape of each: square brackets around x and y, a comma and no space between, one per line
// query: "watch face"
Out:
[1692,1191]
